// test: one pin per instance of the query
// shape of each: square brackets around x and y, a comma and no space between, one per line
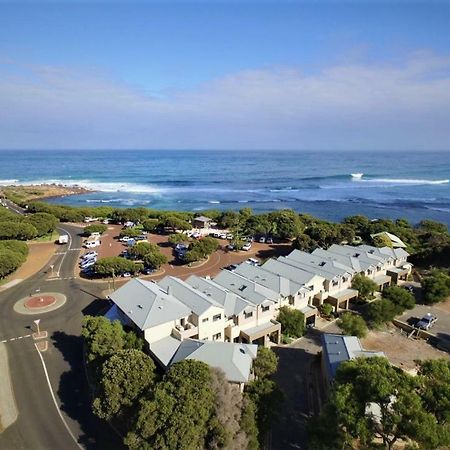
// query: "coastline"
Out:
[45,191]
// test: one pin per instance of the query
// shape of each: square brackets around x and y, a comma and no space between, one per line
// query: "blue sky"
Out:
[237,74]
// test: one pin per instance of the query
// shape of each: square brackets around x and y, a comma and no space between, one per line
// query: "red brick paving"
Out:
[40,301]
[111,246]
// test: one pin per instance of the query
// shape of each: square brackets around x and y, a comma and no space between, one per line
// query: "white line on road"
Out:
[54,399]
[65,253]
[16,338]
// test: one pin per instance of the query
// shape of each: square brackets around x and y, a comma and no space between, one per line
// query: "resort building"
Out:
[220,320]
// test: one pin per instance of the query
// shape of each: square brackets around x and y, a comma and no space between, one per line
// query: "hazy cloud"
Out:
[406,105]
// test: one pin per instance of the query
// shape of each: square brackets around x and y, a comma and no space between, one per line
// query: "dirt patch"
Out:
[399,349]
[443,306]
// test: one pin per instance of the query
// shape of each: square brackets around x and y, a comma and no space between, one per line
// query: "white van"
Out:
[95,234]
[92,244]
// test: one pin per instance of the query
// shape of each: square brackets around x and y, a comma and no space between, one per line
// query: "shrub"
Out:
[401,298]
[292,322]
[379,312]
[326,309]
[19,231]
[9,261]
[365,286]
[436,286]
[352,325]
[155,260]
[115,265]
[95,228]
[15,246]
[44,223]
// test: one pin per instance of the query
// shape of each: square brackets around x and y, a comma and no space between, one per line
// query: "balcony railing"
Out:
[185,331]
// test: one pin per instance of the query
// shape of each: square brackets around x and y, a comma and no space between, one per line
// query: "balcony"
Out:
[186,331]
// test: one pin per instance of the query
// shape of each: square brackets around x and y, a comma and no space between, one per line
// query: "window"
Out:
[205,319]
[247,315]
[217,317]
[335,283]
[265,308]
[217,336]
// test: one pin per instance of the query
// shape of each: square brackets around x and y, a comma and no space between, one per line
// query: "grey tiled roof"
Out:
[234,359]
[232,303]
[318,264]
[275,282]
[253,292]
[281,267]
[147,305]
[196,300]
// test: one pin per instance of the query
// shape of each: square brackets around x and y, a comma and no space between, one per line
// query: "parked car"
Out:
[229,237]
[88,254]
[269,240]
[262,240]
[223,236]
[247,247]
[147,271]
[231,267]
[87,264]
[252,261]
[88,258]
[92,244]
[427,321]
[124,239]
[126,275]
[230,247]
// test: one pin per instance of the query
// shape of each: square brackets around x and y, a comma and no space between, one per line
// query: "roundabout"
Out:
[40,303]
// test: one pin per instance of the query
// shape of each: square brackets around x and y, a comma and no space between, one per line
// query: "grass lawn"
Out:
[47,238]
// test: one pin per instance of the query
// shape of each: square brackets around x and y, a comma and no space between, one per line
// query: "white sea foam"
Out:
[214,202]
[101,186]
[402,181]
[8,182]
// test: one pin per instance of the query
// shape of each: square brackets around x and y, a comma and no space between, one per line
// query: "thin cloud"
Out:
[405,106]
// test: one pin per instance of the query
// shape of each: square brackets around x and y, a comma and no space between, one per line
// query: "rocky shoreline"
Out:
[42,191]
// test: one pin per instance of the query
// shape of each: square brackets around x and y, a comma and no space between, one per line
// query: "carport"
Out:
[310,313]
[398,273]
[341,299]
[383,281]
[262,334]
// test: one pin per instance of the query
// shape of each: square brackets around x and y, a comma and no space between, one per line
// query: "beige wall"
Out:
[209,328]
[160,331]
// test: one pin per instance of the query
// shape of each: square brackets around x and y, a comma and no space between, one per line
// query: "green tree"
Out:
[305,243]
[15,246]
[94,228]
[150,224]
[266,362]
[140,249]
[178,238]
[248,423]
[380,312]
[115,265]
[155,259]
[131,232]
[292,321]
[17,230]
[103,338]
[286,224]
[434,376]
[174,223]
[178,415]
[365,286]
[125,376]
[401,298]
[352,325]
[326,309]
[44,223]
[436,286]
[396,411]
[9,262]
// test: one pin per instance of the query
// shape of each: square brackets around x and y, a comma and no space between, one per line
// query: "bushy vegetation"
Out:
[292,322]
[115,265]
[436,286]
[352,325]
[191,407]
[412,409]
[94,228]
[201,249]
[365,286]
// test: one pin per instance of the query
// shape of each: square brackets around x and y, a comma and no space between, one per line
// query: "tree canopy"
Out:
[352,325]
[436,286]
[365,286]
[292,321]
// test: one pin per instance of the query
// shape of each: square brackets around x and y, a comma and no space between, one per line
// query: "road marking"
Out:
[75,249]
[15,338]
[60,278]
[65,253]
[54,399]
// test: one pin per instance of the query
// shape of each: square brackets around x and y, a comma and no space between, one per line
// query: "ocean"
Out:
[411,185]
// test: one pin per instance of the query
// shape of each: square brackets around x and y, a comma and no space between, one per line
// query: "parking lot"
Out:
[441,328]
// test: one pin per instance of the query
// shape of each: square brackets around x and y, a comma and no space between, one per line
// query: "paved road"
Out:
[40,425]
